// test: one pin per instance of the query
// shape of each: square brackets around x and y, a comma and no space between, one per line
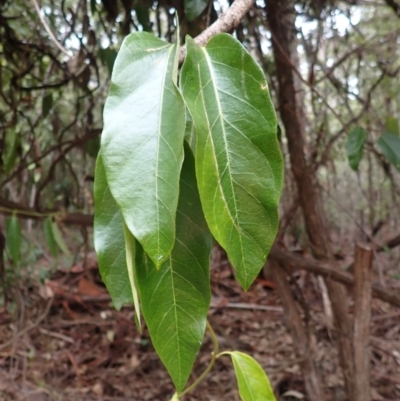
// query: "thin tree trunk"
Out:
[302,339]
[280,16]
[362,319]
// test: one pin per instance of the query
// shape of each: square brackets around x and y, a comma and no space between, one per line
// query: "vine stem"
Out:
[214,356]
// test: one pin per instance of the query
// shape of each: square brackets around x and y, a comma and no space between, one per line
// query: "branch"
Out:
[225,23]
[48,30]
[8,207]
[328,271]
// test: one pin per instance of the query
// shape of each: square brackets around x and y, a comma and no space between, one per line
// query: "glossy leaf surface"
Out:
[193,8]
[390,147]
[175,299]
[109,240]
[252,381]
[238,160]
[355,145]
[142,141]
[14,239]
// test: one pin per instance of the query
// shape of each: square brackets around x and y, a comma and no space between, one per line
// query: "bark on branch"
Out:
[225,23]
[325,269]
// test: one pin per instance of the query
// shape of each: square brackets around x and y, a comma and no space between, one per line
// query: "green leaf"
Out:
[190,132]
[252,381]
[392,125]
[48,233]
[47,104]
[355,145]
[109,240]
[142,141]
[130,250]
[142,14]
[239,165]
[175,300]
[92,147]
[107,57]
[14,239]
[193,8]
[58,237]
[12,142]
[390,147]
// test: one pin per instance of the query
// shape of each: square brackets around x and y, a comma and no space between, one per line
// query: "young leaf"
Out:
[48,233]
[390,147]
[130,249]
[14,239]
[142,141]
[175,300]
[193,8]
[252,381]
[109,240]
[238,160]
[355,144]
[58,237]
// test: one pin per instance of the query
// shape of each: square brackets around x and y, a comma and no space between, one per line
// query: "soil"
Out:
[64,341]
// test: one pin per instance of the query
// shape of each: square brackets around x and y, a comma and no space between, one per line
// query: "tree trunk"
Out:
[280,16]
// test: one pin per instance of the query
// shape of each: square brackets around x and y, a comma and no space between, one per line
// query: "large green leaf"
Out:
[355,145]
[14,238]
[109,240]
[175,300]
[193,8]
[238,161]
[390,147]
[252,381]
[142,141]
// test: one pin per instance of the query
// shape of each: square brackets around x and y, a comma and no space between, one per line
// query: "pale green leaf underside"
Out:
[390,147]
[109,240]
[252,381]
[176,298]
[142,141]
[355,144]
[238,161]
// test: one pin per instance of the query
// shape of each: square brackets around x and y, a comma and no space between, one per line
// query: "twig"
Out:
[29,328]
[241,305]
[225,23]
[327,270]
[48,30]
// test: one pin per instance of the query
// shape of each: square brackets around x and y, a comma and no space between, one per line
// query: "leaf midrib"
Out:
[159,137]
[213,82]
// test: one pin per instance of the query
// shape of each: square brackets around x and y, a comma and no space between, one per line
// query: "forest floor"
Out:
[68,343]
